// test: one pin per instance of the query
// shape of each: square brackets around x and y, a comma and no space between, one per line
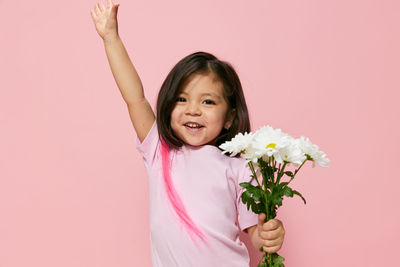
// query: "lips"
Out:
[193,125]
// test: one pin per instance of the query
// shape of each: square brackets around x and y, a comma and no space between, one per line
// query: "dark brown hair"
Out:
[201,63]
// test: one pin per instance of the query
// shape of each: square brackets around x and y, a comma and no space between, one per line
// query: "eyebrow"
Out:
[205,94]
[213,95]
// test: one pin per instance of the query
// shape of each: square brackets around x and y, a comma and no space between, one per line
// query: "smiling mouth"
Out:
[192,125]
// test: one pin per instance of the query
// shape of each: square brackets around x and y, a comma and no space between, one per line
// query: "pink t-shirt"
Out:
[208,184]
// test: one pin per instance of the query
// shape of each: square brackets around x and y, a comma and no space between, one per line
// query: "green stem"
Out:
[265,179]
[295,172]
[254,173]
[273,172]
[255,176]
[279,167]
[265,186]
[280,173]
[299,167]
[262,257]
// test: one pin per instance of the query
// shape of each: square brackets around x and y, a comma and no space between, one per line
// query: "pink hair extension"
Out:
[174,197]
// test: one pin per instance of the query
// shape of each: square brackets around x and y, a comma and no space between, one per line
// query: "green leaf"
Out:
[247,185]
[247,199]
[251,196]
[255,191]
[277,261]
[287,191]
[297,193]
[289,173]
[277,197]
[266,169]
[283,184]
[257,208]
[273,212]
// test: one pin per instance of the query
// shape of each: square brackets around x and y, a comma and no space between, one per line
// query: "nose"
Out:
[193,109]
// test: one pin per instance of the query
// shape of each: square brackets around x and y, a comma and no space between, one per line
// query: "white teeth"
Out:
[193,125]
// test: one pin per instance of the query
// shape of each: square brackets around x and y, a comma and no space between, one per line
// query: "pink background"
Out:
[73,189]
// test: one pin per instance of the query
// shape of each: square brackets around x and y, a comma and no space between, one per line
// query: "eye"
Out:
[209,102]
[180,99]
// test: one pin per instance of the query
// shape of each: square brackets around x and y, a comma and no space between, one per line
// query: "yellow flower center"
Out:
[271,145]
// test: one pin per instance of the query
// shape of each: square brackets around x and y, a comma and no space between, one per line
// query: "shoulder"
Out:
[235,163]
[149,146]
[237,167]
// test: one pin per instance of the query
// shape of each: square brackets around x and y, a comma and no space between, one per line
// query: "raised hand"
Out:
[105,19]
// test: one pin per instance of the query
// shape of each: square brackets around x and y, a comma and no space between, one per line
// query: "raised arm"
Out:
[125,75]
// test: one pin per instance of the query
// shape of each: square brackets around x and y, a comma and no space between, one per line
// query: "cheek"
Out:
[174,116]
[216,117]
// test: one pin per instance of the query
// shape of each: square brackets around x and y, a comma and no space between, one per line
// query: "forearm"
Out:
[125,75]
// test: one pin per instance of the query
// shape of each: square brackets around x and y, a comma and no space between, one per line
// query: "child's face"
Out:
[201,111]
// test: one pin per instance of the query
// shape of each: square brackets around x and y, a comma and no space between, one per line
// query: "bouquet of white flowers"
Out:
[267,152]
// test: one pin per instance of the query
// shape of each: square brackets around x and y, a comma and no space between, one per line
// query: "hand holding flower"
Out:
[268,152]
[271,233]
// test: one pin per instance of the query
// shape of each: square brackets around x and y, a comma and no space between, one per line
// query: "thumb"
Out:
[115,8]
[261,220]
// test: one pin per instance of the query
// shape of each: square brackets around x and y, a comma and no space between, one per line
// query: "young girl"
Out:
[195,204]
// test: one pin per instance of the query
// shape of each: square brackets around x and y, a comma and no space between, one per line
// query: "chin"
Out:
[196,143]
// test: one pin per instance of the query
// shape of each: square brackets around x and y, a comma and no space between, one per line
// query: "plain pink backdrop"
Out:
[73,189]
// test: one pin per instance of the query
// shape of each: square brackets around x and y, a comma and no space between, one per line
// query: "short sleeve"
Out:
[150,145]
[246,218]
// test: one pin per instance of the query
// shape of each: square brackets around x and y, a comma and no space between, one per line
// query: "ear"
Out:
[230,116]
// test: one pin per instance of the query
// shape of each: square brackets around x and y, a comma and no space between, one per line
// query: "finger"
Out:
[273,249]
[272,246]
[271,225]
[115,7]
[261,221]
[97,9]
[261,218]
[273,242]
[271,235]
[109,3]
[94,10]
[93,14]
[101,6]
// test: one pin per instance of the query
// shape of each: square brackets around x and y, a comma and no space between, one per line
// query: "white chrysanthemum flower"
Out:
[250,154]
[268,142]
[292,153]
[312,151]
[238,144]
